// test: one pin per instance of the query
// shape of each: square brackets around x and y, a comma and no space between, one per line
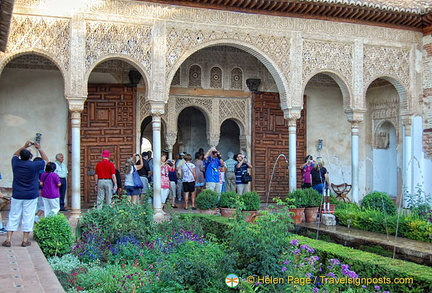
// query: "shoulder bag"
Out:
[136,178]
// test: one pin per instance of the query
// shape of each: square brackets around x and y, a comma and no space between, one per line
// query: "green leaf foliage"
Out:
[251,201]
[54,235]
[120,219]
[229,199]
[379,201]
[207,199]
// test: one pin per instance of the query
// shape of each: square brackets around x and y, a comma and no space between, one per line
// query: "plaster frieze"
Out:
[182,40]
[47,36]
[118,40]
[382,61]
[322,56]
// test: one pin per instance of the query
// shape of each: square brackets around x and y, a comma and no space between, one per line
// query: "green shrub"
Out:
[379,201]
[312,198]
[197,267]
[257,248]
[297,198]
[121,219]
[229,199]
[54,235]
[251,201]
[207,200]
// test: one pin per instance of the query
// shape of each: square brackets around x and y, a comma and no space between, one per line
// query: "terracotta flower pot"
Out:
[227,212]
[297,215]
[311,214]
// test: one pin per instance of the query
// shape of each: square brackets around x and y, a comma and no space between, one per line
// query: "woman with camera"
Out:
[306,169]
[240,169]
[129,168]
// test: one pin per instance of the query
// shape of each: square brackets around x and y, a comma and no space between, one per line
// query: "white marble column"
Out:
[76,106]
[292,115]
[355,117]
[157,109]
[407,173]
[76,162]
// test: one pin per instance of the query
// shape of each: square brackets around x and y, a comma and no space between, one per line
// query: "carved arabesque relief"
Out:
[181,40]
[383,114]
[216,78]
[47,34]
[129,40]
[327,56]
[386,61]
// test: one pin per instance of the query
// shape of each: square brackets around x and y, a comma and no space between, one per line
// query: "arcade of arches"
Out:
[108,75]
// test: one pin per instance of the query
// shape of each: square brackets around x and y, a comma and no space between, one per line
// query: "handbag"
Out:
[246,177]
[136,179]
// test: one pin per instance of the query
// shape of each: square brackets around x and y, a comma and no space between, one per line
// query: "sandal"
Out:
[194,208]
[174,206]
[6,243]
[25,243]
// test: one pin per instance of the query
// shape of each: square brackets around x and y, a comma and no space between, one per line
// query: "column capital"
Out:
[407,122]
[76,104]
[292,115]
[355,116]
[171,139]
[213,139]
[157,108]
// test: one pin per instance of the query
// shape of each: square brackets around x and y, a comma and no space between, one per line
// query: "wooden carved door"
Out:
[108,123]
[270,147]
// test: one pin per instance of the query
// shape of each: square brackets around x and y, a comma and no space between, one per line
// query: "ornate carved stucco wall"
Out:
[156,39]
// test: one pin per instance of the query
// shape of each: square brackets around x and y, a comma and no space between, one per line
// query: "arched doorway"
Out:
[108,121]
[192,129]
[382,126]
[31,101]
[229,138]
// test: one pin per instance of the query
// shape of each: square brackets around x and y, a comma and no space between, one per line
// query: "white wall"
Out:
[31,101]
[326,120]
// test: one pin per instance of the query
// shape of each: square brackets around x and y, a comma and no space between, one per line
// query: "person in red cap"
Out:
[105,175]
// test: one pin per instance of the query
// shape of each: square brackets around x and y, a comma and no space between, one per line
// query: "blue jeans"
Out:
[320,187]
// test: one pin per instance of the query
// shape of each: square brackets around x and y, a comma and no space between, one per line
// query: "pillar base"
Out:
[159,216]
[328,219]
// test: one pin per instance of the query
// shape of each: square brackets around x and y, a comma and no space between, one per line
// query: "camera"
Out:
[218,156]
[32,143]
[137,155]
[214,152]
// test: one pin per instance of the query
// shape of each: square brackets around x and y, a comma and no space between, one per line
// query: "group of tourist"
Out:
[37,186]
[314,174]
[181,179]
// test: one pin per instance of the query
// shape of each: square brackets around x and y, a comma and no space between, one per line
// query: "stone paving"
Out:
[25,269]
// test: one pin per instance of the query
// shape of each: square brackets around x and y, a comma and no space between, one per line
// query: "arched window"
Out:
[216,78]
[236,79]
[195,76]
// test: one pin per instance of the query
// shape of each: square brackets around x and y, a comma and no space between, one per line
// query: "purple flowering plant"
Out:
[306,272]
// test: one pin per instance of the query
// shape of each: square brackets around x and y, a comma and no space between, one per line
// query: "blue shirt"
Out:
[212,169]
[26,178]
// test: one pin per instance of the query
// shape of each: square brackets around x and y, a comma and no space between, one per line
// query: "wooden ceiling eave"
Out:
[315,10]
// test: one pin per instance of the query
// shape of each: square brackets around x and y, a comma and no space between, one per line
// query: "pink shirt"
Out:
[305,171]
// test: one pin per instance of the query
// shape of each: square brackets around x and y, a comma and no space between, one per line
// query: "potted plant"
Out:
[313,202]
[229,201]
[297,201]
[251,204]
[207,202]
